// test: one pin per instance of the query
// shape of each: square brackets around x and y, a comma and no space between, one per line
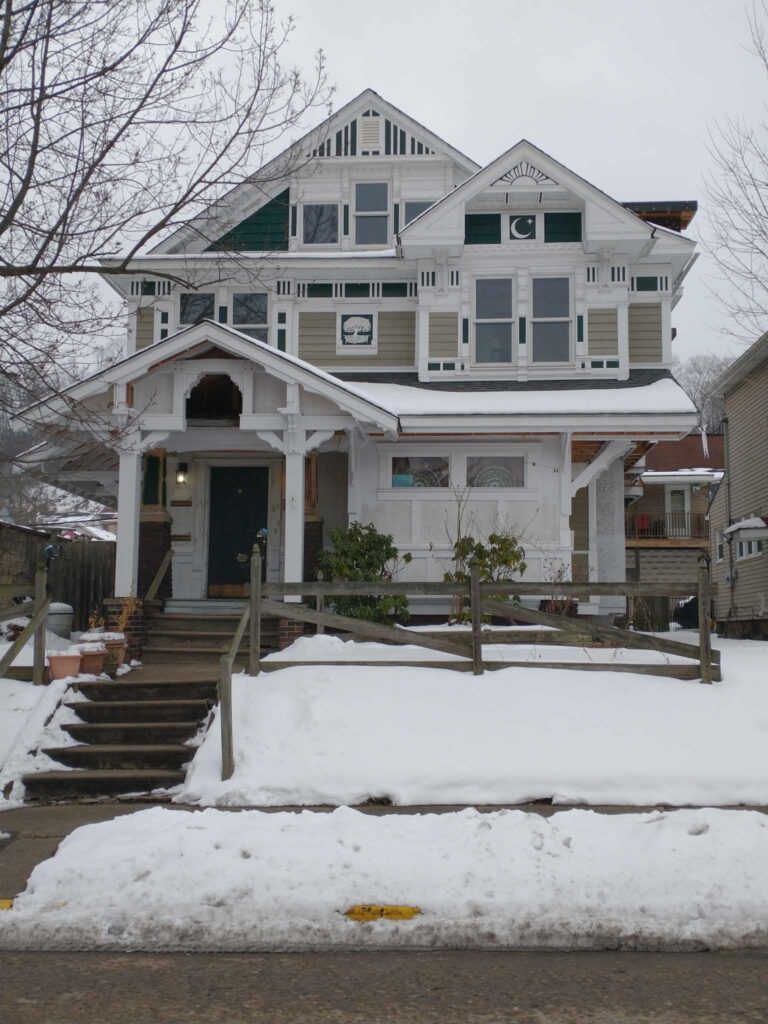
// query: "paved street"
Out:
[397,988]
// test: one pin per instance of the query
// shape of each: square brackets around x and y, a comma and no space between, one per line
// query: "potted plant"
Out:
[113,642]
[64,663]
[93,657]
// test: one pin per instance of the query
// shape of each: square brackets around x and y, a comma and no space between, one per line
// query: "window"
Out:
[371,213]
[482,229]
[719,545]
[495,471]
[195,306]
[414,207]
[551,320]
[493,320]
[420,471]
[749,548]
[321,224]
[249,313]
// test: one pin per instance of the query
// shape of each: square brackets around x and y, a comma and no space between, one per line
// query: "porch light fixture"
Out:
[181,473]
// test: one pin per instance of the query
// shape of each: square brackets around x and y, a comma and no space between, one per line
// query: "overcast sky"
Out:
[621,91]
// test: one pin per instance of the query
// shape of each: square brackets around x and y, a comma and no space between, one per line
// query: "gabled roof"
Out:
[279,364]
[247,198]
[524,160]
[754,357]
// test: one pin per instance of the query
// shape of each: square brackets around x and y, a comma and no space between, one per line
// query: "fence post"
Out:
[320,603]
[705,644]
[41,596]
[254,655]
[477,618]
[225,712]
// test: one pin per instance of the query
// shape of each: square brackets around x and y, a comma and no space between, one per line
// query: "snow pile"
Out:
[315,734]
[164,879]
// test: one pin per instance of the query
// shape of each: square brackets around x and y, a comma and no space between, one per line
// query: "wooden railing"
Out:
[644,526]
[467,648]
[159,576]
[36,625]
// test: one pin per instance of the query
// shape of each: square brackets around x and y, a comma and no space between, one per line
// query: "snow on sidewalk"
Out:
[319,734]
[213,880]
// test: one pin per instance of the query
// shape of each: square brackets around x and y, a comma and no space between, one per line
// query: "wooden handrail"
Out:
[159,576]
[345,588]
[35,623]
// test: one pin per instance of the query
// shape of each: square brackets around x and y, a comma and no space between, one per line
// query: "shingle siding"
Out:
[603,332]
[443,335]
[645,342]
[396,346]
[145,326]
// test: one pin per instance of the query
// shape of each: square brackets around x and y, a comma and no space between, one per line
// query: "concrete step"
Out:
[140,711]
[131,732]
[122,756]
[164,655]
[173,689]
[210,623]
[73,785]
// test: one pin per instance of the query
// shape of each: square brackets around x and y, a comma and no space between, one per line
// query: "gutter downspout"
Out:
[731,566]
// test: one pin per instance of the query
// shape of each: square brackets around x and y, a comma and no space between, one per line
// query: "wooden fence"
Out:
[466,649]
[35,627]
[82,576]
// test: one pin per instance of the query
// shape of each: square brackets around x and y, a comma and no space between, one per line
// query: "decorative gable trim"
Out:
[525,169]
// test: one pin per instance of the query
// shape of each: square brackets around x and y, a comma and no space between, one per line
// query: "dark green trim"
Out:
[346,219]
[397,217]
[223,314]
[281,318]
[465,331]
[151,483]
[294,221]
[579,328]
[482,229]
[266,230]
[281,339]
[357,290]
[646,284]
[433,366]
[562,227]
[394,290]
[521,329]
[319,291]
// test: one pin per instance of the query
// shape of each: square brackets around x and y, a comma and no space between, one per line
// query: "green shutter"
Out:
[646,284]
[482,229]
[266,230]
[562,227]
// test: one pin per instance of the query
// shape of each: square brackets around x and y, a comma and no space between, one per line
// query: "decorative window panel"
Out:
[522,228]
[196,306]
[357,333]
[495,471]
[420,471]
[562,227]
[482,229]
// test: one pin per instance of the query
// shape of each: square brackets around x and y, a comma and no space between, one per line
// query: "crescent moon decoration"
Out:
[522,227]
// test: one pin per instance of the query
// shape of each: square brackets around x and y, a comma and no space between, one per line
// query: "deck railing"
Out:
[38,612]
[643,525]
[556,605]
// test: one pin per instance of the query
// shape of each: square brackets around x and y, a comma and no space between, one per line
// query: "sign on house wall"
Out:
[357,331]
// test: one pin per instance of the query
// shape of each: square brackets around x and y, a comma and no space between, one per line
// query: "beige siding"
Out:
[397,341]
[145,326]
[443,335]
[645,332]
[603,332]
[748,469]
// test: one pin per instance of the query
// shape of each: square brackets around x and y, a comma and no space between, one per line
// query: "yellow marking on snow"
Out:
[6,904]
[374,911]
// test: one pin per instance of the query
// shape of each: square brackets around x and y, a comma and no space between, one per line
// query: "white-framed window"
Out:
[494,320]
[437,467]
[357,332]
[748,549]
[719,546]
[196,306]
[412,208]
[551,320]
[250,313]
[320,223]
[371,213]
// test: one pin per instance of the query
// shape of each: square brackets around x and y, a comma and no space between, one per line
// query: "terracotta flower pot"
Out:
[63,665]
[93,662]
[115,654]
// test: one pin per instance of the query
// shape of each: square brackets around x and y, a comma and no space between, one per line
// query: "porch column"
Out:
[294,516]
[128,505]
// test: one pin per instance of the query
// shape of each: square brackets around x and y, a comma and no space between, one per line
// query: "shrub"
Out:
[499,559]
[362,554]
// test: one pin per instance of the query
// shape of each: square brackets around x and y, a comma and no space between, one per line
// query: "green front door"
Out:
[238,511]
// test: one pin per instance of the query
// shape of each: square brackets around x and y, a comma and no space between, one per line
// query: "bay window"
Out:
[494,320]
[551,320]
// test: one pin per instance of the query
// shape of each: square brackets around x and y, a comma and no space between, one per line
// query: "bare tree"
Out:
[737,194]
[697,377]
[120,120]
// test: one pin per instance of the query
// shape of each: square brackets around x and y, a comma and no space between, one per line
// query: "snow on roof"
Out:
[691,475]
[753,523]
[663,396]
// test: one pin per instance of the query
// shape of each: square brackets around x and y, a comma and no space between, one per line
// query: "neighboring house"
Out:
[739,510]
[666,521]
[389,328]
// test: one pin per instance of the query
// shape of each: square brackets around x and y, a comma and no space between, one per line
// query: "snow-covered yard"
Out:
[165,879]
[341,735]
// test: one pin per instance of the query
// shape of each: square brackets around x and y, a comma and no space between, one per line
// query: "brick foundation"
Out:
[136,628]
[288,630]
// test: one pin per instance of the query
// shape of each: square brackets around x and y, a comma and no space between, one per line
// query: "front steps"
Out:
[201,637]
[132,735]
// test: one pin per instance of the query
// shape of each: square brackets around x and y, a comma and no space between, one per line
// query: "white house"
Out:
[387,330]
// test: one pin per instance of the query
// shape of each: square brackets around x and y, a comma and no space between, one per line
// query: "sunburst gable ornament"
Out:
[525,169]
